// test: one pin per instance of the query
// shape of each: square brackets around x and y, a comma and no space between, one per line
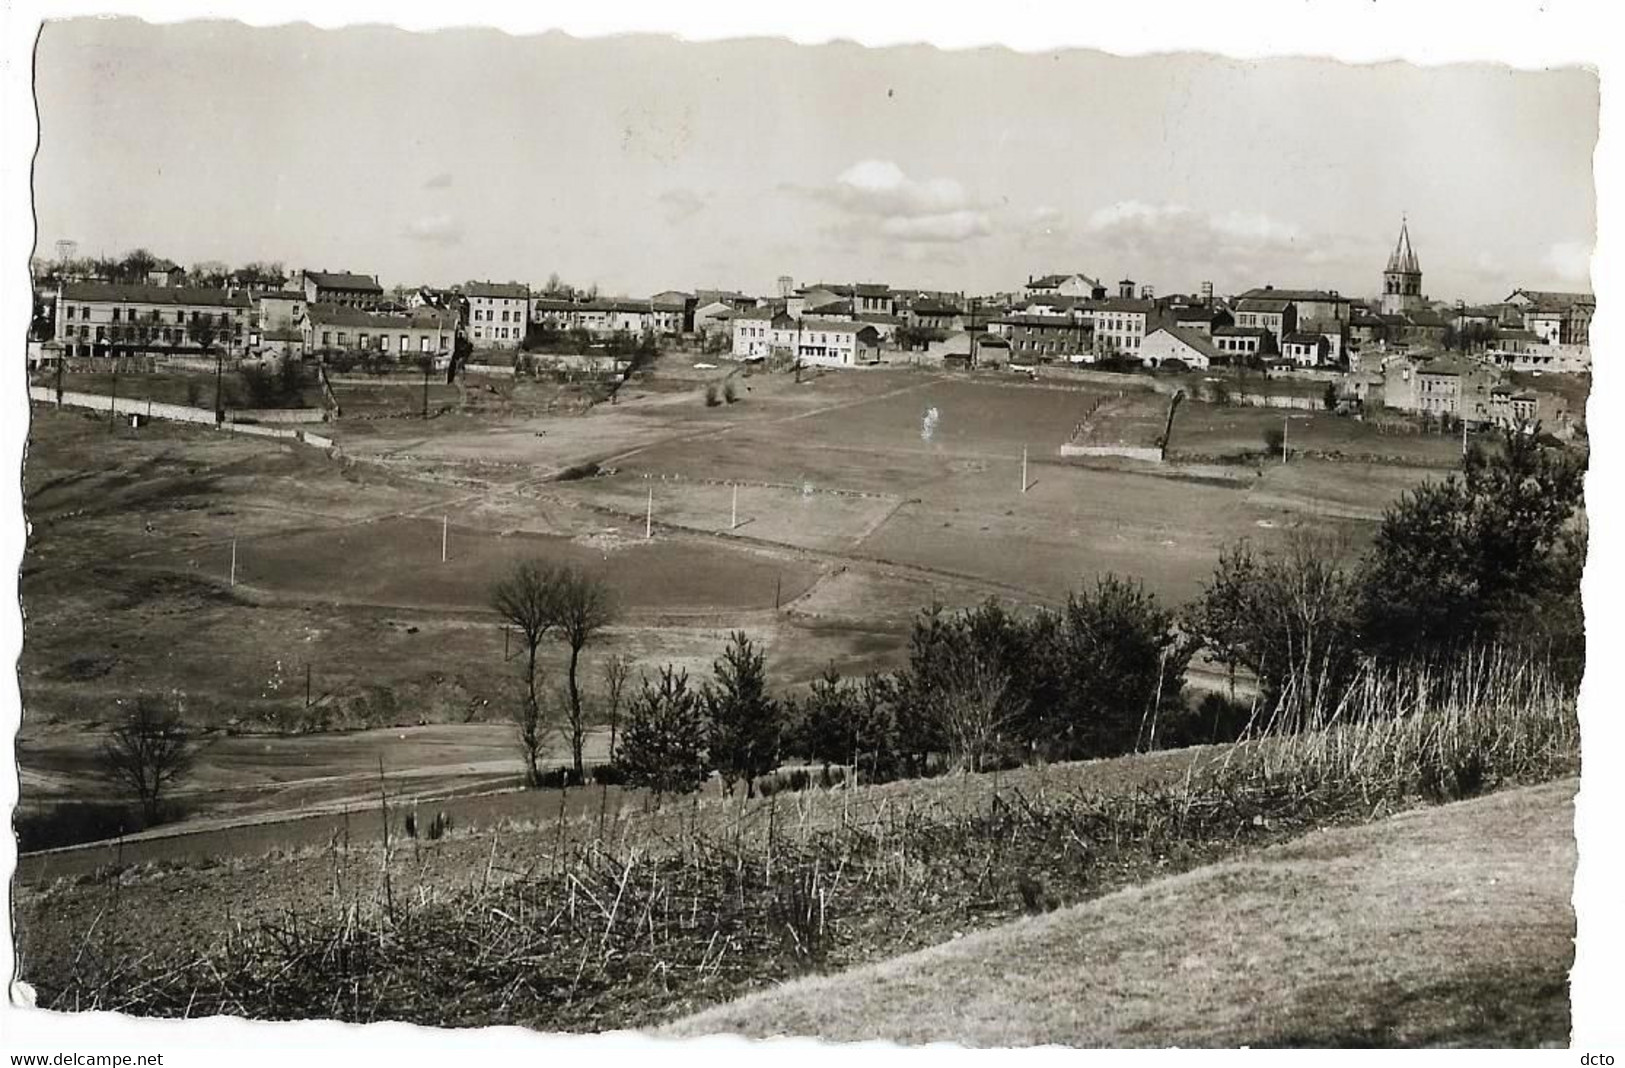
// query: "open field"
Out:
[1445,926]
[195,389]
[850,519]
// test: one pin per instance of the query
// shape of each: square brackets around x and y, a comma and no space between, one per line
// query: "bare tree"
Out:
[149,750]
[528,599]
[977,703]
[583,606]
[615,671]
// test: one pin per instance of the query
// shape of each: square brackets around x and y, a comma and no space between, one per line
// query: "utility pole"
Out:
[112,407]
[234,561]
[734,522]
[445,524]
[1285,422]
[1024,469]
[649,515]
[219,404]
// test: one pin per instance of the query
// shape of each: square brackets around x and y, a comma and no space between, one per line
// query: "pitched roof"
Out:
[1051,281]
[1453,366]
[342,315]
[931,307]
[1240,331]
[120,293]
[1047,322]
[834,326]
[1271,293]
[280,294]
[1403,259]
[498,290]
[343,280]
[1191,339]
[1556,299]
[1301,338]
[1272,305]
[1123,304]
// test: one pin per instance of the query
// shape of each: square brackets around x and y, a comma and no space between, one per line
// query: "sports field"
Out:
[818,516]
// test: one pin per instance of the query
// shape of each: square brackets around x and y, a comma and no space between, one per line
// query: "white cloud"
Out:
[1569,260]
[1133,220]
[435,230]
[880,187]
[950,226]
[877,198]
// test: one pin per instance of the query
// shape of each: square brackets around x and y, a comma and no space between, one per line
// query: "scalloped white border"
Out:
[1524,33]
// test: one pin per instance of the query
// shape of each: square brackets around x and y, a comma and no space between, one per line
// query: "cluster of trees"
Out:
[573,606]
[987,688]
[132,268]
[1491,555]
[1469,337]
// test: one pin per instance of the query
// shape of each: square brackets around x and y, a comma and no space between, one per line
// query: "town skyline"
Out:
[691,171]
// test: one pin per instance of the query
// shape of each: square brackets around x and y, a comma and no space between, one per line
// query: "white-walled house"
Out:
[1191,347]
[753,332]
[835,343]
[498,314]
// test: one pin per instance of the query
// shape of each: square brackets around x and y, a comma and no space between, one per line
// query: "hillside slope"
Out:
[1449,925]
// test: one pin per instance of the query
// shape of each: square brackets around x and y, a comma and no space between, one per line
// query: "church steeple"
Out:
[1404,258]
[1402,280]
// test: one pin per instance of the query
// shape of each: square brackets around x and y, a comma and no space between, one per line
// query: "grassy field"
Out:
[851,518]
[1446,926]
[598,910]
[195,389]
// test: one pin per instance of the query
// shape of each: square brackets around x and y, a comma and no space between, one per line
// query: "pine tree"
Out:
[746,724]
[663,747]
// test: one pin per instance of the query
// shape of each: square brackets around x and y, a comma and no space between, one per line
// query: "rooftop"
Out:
[120,293]
[342,315]
[498,290]
[344,280]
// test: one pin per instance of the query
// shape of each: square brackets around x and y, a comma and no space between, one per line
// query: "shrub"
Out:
[1274,439]
[712,397]
[730,393]
[557,779]
[75,823]
[663,747]
[576,472]
[607,775]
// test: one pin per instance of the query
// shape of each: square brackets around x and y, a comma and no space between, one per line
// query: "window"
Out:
[363,340]
[327,338]
[404,342]
[115,315]
[70,311]
[423,343]
[383,342]
[180,317]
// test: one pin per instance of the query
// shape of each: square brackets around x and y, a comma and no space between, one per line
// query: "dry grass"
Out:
[634,919]
[1443,926]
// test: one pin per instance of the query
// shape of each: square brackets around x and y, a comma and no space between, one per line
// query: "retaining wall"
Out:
[1127,452]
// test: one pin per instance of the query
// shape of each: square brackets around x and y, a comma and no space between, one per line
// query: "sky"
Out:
[641,164]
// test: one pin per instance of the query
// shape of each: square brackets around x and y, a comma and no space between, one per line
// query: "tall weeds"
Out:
[630,921]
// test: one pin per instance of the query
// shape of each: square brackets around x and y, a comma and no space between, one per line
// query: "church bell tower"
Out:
[1402,280]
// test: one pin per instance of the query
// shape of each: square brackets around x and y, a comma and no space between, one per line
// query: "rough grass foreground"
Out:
[631,932]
